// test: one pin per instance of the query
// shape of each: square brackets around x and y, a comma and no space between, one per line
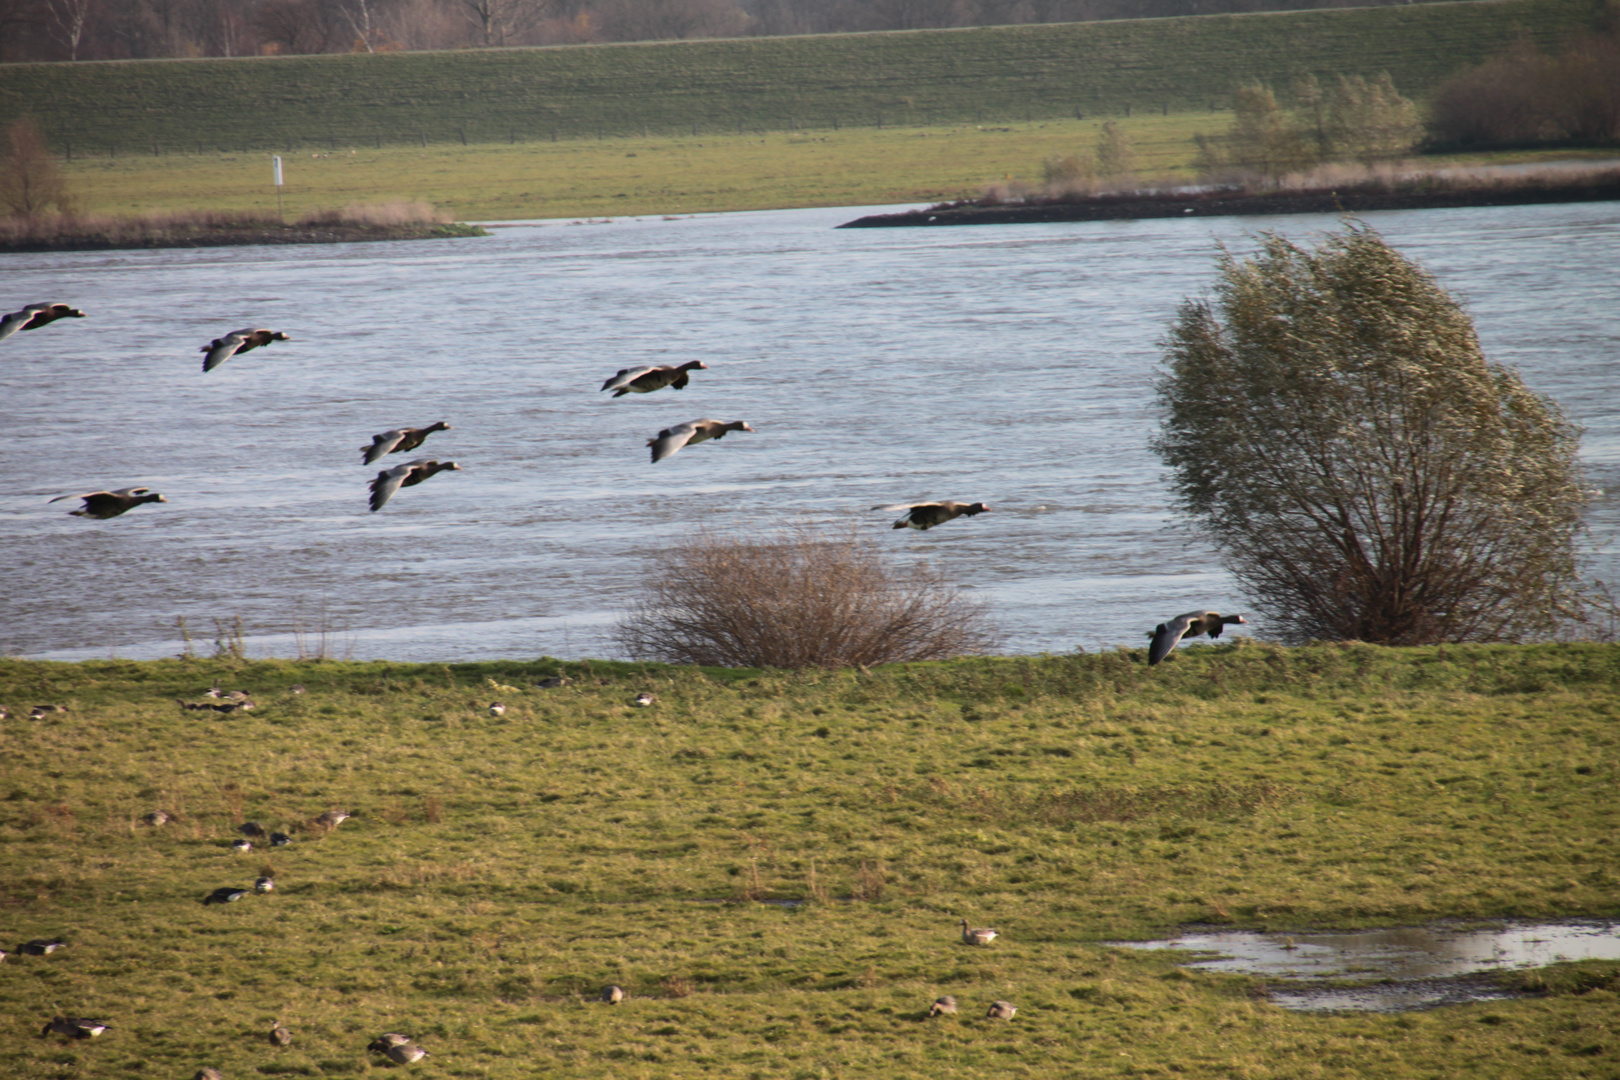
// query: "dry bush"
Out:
[30,180]
[386,214]
[800,598]
[1523,97]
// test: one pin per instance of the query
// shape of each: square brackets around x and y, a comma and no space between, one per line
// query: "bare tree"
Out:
[498,22]
[297,26]
[801,598]
[30,181]
[1334,427]
[67,23]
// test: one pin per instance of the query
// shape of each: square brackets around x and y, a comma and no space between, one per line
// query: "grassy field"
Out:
[500,870]
[704,88]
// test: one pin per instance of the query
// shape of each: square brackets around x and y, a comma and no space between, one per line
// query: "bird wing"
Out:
[672,439]
[1165,637]
[625,377]
[13,321]
[221,349]
[382,445]
[388,481]
[901,506]
[84,495]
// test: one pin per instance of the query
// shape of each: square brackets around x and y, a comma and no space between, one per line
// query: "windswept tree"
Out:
[1368,121]
[1366,473]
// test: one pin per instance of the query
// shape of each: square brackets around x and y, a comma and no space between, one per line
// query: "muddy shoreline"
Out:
[1233,204]
[244,236]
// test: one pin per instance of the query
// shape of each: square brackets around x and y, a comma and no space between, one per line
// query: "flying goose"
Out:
[979,935]
[35,316]
[943,1005]
[1002,1010]
[692,432]
[1165,635]
[407,475]
[109,504]
[224,895]
[237,341]
[612,994]
[644,380]
[926,515]
[75,1027]
[399,440]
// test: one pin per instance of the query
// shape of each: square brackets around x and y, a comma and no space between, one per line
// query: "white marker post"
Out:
[275,160]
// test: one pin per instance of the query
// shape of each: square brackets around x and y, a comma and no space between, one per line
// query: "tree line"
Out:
[55,30]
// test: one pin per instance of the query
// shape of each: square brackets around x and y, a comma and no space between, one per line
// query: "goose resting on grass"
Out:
[399,440]
[926,515]
[644,380]
[237,341]
[35,316]
[109,504]
[690,434]
[407,475]
[942,1006]
[75,1027]
[1165,635]
[978,935]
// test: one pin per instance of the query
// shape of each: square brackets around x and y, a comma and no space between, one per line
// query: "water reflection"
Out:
[1425,965]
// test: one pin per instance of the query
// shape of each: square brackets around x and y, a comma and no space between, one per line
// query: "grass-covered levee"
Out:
[498,871]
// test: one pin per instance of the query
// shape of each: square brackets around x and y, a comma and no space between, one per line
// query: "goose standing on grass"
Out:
[691,433]
[75,1027]
[109,504]
[978,935]
[926,515]
[331,819]
[1002,1010]
[407,475]
[399,440]
[236,342]
[1165,635]
[644,380]
[35,316]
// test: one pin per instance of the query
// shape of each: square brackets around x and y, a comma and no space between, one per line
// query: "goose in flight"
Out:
[644,380]
[691,433]
[35,316]
[1165,635]
[926,515]
[407,475]
[109,504]
[399,440]
[237,341]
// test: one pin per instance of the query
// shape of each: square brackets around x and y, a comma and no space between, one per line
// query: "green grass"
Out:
[987,75]
[501,870]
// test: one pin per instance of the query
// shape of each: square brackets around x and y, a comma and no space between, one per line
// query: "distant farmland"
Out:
[705,87]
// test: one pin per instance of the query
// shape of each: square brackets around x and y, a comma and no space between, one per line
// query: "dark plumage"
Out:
[928,514]
[224,895]
[644,380]
[407,475]
[75,1027]
[109,504]
[1165,635]
[399,440]
[35,316]
[41,946]
[690,433]
[237,341]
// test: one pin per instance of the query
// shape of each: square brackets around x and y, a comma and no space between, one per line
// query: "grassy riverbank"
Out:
[499,870]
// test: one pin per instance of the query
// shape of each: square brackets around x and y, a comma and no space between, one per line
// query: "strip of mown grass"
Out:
[984,75]
[500,870]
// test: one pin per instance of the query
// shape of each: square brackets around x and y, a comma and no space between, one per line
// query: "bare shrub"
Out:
[800,598]
[30,180]
[1523,97]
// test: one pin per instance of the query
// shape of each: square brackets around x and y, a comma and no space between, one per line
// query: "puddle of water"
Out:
[1416,967]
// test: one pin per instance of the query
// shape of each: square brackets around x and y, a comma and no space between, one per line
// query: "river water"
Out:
[1006,364]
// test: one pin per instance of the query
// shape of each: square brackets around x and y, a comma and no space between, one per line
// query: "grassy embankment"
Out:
[500,870]
[713,125]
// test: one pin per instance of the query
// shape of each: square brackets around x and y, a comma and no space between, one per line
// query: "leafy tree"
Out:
[1333,426]
[1115,156]
[1368,121]
[30,180]
[1262,137]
